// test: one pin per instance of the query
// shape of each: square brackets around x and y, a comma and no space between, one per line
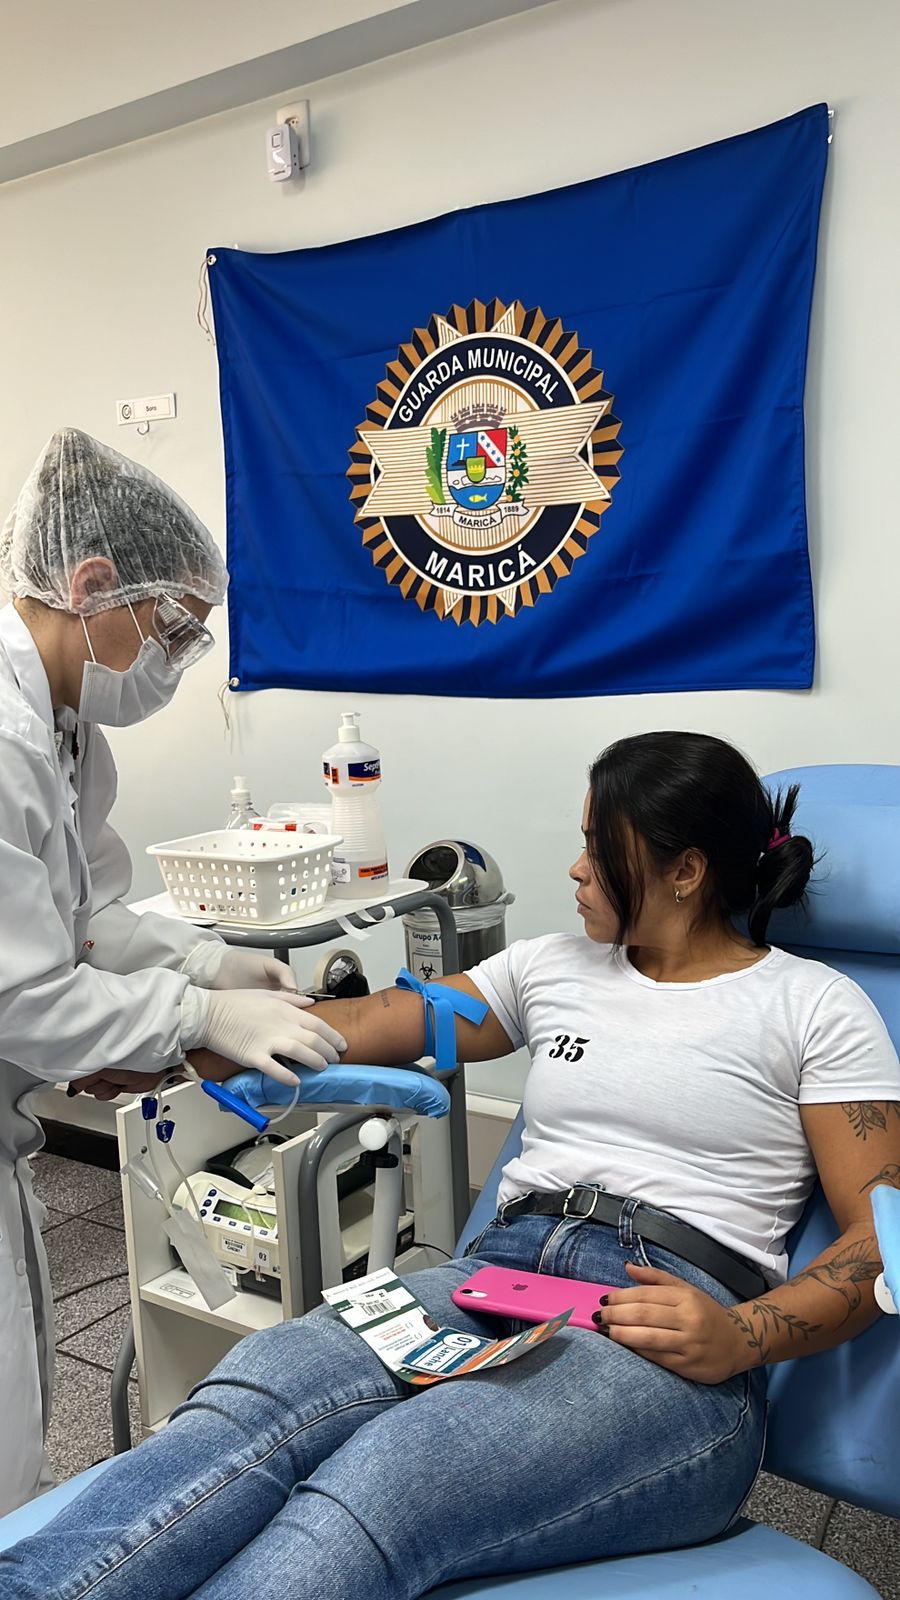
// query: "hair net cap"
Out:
[82,500]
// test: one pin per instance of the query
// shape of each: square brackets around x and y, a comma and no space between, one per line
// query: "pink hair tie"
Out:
[777,838]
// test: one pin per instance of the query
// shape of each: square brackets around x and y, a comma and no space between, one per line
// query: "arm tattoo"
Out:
[889,1174]
[770,1320]
[386,999]
[857,1263]
[863,1115]
[761,1321]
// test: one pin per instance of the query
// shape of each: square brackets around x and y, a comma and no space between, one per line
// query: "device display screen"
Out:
[260,1219]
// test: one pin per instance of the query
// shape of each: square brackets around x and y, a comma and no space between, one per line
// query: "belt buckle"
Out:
[580,1215]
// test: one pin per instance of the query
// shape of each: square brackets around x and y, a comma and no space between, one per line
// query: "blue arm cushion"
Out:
[886,1211]
[341,1084]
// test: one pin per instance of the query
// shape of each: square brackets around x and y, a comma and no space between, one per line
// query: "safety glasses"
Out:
[182,636]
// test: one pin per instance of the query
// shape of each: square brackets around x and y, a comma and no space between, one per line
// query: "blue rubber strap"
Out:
[442,1007]
[230,1102]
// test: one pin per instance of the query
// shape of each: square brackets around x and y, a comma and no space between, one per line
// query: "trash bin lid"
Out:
[463,873]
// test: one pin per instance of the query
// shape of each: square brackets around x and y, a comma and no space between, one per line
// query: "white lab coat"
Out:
[84,984]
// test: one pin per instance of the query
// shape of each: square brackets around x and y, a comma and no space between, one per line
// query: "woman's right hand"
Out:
[252,1026]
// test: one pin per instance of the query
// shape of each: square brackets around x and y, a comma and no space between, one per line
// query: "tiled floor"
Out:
[85,1240]
[86,1246]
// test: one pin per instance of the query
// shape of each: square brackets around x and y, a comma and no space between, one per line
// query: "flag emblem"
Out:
[485,462]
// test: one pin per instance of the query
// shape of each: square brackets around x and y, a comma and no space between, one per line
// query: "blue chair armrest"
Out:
[886,1211]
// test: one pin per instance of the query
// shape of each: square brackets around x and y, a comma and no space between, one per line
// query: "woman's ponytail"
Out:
[783,868]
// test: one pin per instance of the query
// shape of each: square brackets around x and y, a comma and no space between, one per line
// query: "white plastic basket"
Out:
[242,877]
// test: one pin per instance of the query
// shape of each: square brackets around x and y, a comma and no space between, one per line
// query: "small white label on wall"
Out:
[152,408]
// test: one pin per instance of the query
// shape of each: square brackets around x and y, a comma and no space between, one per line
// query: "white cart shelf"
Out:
[246,1313]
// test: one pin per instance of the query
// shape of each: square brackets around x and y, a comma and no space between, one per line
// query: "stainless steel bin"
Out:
[470,880]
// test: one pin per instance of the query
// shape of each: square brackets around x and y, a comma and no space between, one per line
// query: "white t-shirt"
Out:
[685,1095]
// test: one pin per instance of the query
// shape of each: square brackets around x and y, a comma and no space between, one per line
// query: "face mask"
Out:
[119,699]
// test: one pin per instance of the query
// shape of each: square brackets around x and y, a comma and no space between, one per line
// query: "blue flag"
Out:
[547,447]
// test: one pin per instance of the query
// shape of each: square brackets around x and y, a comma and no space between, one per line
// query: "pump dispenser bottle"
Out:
[352,774]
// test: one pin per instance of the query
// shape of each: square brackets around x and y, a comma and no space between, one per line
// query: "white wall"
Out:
[61,62]
[98,275]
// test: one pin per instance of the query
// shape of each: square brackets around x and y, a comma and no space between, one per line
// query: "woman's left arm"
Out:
[855,1146]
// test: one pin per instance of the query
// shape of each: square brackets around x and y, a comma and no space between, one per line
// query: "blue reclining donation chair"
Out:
[833,1417]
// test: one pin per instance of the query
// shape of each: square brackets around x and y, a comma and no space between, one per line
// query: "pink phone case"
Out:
[530,1296]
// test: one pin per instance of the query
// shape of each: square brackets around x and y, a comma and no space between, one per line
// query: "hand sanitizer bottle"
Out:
[352,774]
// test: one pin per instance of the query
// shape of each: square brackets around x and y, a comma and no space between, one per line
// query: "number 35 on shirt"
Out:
[568,1047]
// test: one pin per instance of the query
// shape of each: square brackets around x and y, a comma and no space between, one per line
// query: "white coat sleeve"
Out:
[58,1020]
[123,941]
[120,940]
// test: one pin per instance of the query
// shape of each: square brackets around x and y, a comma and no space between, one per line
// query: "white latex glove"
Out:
[249,969]
[252,1026]
[213,964]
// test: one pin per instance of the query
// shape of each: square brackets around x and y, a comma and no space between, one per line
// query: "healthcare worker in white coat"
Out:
[110,578]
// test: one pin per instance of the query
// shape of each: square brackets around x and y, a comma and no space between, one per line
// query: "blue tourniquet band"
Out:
[442,1007]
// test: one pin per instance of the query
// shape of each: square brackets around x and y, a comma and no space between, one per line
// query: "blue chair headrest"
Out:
[852,816]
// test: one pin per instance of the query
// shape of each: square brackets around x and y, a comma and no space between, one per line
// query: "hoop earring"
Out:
[679,896]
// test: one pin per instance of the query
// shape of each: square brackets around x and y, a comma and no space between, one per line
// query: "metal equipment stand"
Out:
[281,941]
[303,935]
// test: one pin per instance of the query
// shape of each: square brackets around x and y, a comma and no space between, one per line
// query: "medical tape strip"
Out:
[364,916]
[442,1007]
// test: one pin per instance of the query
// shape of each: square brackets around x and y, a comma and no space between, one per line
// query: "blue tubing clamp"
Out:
[230,1102]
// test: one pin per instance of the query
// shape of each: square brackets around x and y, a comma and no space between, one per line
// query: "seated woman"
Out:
[686,1074]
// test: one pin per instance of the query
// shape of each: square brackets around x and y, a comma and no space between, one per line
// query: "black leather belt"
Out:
[595,1205]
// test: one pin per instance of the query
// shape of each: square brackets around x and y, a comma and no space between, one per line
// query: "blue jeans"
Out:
[300,1467]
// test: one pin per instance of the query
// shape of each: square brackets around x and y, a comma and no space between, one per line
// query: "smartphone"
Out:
[530,1296]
